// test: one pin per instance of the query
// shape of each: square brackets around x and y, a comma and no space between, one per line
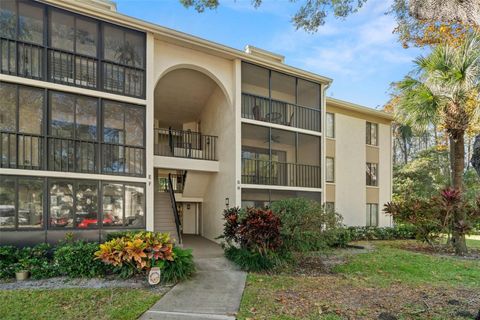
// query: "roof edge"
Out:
[359,108]
[123,19]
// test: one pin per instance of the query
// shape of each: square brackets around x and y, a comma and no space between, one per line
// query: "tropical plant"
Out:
[136,252]
[181,268]
[444,90]
[76,259]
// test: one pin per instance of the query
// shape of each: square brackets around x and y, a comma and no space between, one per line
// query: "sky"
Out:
[360,53]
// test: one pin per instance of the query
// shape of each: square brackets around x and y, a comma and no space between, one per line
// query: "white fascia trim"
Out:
[70,175]
[280,127]
[185,164]
[269,187]
[70,89]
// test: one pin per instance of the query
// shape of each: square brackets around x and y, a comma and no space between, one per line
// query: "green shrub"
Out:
[181,268]
[400,232]
[38,260]
[76,259]
[306,224]
[8,257]
[120,234]
[252,260]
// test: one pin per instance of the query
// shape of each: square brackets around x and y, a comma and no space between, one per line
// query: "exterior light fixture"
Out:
[227,202]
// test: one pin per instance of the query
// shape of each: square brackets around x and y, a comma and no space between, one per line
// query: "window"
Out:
[123,205]
[30,203]
[372,134]
[73,40]
[72,142]
[21,140]
[372,174]
[279,98]
[73,133]
[71,204]
[61,204]
[372,215]
[330,206]
[8,206]
[124,55]
[330,125]
[73,48]
[21,202]
[330,169]
[123,137]
[86,209]
[279,157]
[308,94]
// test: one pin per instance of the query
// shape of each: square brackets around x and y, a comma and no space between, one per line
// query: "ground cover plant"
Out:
[117,303]
[386,282]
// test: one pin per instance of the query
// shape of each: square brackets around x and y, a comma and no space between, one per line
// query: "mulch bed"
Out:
[359,302]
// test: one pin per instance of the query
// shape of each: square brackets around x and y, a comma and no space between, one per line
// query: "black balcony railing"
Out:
[280,112]
[22,151]
[27,60]
[255,171]
[185,144]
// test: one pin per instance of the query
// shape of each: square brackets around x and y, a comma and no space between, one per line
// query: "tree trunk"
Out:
[457,152]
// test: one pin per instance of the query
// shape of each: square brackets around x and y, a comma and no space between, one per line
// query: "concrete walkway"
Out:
[214,293]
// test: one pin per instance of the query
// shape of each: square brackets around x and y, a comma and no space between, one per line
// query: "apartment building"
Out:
[112,123]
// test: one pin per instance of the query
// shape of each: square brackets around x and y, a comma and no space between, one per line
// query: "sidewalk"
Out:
[214,292]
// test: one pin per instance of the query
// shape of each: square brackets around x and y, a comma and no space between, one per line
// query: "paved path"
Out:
[214,293]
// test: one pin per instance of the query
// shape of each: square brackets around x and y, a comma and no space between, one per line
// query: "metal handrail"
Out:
[174,207]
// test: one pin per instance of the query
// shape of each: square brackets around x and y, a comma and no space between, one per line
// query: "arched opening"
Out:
[192,121]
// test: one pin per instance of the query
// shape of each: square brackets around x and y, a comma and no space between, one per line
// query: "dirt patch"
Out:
[318,263]
[438,250]
[95,283]
[359,302]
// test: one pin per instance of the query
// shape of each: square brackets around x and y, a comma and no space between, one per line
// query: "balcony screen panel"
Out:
[134,206]
[30,23]
[134,46]
[31,110]
[308,149]
[134,126]
[30,203]
[114,123]
[283,88]
[8,107]
[255,80]
[61,204]
[62,115]
[86,211]
[8,19]
[308,94]
[254,198]
[113,204]
[62,31]
[86,118]
[86,37]
[7,202]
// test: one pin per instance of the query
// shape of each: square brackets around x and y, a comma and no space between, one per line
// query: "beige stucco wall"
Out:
[218,118]
[350,192]
[351,153]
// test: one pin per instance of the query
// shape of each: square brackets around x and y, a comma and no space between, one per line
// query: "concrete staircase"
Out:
[164,219]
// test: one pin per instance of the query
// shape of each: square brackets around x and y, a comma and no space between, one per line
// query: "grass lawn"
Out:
[405,284]
[473,243]
[117,303]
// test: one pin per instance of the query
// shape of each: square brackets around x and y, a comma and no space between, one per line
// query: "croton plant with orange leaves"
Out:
[141,250]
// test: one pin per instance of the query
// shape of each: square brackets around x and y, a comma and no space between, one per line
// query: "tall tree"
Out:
[444,89]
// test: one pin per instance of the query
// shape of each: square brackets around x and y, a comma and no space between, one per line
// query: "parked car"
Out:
[7,215]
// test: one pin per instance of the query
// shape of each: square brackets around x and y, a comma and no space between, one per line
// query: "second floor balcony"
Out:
[275,173]
[185,144]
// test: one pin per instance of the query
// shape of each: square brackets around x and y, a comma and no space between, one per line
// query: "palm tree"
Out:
[444,89]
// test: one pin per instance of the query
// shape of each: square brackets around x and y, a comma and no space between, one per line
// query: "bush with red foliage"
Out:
[254,229]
